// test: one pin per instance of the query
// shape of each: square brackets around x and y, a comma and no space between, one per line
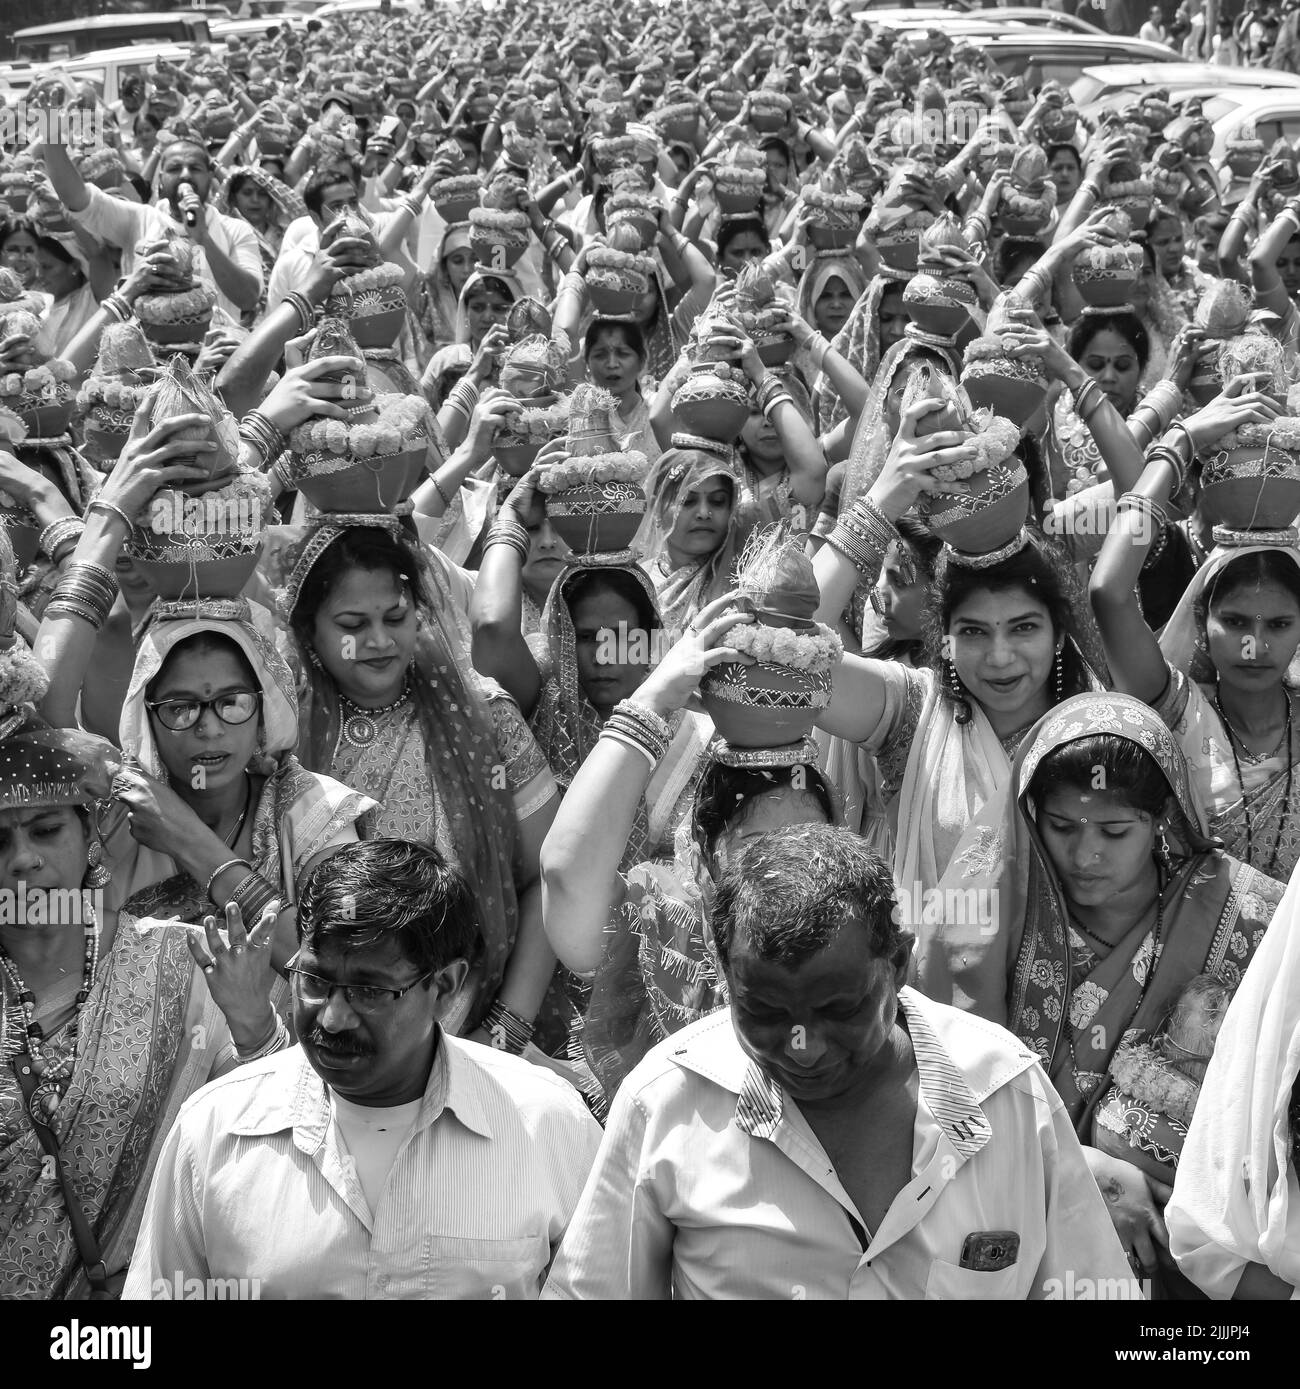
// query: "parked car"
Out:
[108,70]
[1098,88]
[1274,113]
[46,43]
[996,20]
[1040,55]
[256,29]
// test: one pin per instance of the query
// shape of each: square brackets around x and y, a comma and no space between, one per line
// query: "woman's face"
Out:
[612,364]
[901,606]
[41,849]
[832,307]
[760,438]
[1101,848]
[484,308]
[894,318]
[459,266]
[547,555]
[743,248]
[210,755]
[1113,364]
[252,203]
[612,648]
[1252,632]
[1288,267]
[778,169]
[365,633]
[472,156]
[19,253]
[55,275]
[1003,646]
[703,516]
[1166,242]
[1065,174]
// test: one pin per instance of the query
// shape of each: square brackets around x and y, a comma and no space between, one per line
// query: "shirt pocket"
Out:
[485,1269]
[948,1282]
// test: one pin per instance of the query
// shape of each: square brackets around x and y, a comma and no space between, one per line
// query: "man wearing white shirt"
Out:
[380,1158]
[226,247]
[833,1134]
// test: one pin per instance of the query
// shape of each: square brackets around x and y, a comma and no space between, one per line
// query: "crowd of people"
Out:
[693,609]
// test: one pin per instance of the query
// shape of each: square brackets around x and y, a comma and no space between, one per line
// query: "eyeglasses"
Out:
[362,998]
[235,707]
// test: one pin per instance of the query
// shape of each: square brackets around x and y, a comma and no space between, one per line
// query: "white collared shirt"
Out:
[254,1182]
[710,1183]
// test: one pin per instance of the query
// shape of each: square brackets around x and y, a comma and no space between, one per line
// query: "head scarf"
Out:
[507,278]
[859,342]
[477,829]
[284,201]
[42,766]
[1232,1201]
[825,267]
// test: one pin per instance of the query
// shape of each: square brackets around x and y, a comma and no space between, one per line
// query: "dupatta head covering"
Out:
[251,628]
[859,342]
[42,766]
[1183,642]
[822,269]
[477,831]
[1232,1200]
[873,437]
[477,280]
[689,464]
[284,201]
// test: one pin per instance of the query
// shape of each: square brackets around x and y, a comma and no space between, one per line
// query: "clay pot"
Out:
[711,406]
[219,576]
[764,705]
[46,417]
[610,298]
[938,304]
[1007,387]
[735,199]
[456,203]
[493,253]
[360,484]
[776,351]
[1207,379]
[375,316]
[185,330]
[1131,1144]
[899,248]
[1105,286]
[597,518]
[681,129]
[106,432]
[989,516]
[1251,488]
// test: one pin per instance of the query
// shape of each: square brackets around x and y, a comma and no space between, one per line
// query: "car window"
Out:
[1271,128]
[1219,106]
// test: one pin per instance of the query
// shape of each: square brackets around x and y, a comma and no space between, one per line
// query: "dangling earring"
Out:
[314,658]
[1164,854]
[1058,668]
[98,873]
[954,681]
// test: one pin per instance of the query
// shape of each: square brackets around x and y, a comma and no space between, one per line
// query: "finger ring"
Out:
[209,969]
[236,949]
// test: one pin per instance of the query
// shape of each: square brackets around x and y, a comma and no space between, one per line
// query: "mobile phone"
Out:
[989,1251]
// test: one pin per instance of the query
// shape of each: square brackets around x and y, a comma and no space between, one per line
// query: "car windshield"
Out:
[1217,107]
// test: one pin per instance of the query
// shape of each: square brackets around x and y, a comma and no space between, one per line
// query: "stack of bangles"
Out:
[87,591]
[1165,453]
[59,538]
[639,728]
[463,397]
[278,1041]
[251,895]
[1088,399]
[305,310]
[863,535]
[818,346]
[772,392]
[1163,400]
[262,436]
[509,1032]
[111,509]
[1155,513]
[116,305]
[554,241]
[505,530]
[1092,188]
[414,205]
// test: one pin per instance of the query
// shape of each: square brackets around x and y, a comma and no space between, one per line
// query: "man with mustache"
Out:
[380,1158]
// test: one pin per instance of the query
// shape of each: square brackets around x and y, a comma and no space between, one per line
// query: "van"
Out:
[51,43]
[107,71]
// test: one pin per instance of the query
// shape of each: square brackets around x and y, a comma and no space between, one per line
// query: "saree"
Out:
[1236,1200]
[149,1037]
[1266,795]
[1021,963]
[859,343]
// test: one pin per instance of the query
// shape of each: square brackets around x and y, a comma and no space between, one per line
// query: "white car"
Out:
[1275,114]
[343,9]
[1115,84]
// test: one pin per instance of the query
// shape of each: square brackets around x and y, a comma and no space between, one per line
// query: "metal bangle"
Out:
[112,509]
[218,871]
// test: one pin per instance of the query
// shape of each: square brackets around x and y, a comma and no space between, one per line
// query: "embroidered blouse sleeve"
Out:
[527,774]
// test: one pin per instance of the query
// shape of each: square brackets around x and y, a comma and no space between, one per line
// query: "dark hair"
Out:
[314,193]
[388,889]
[12,226]
[237,181]
[789,894]
[492,284]
[1054,150]
[1012,250]
[740,226]
[360,547]
[588,582]
[1039,570]
[924,546]
[623,327]
[1260,567]
[726,796]
[1103,763]
[468,134]
[1124,322]
[198,644]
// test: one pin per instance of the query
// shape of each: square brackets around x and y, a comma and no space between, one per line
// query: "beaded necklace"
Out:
[1285,740]
[360,727]
[51,1085]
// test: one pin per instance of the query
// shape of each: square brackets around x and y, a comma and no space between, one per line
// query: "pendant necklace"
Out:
[360,726]
[1285,741]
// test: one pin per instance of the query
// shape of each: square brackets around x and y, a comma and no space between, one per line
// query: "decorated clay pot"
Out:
[187,566]
[597,518]
[1005,386]
[680,124]
[105,432]
[989,516]
[776,349]
[342,482]
[47,414]
[726,103]
[1105,286]
[612,298]
[494,253]
[1207,379]
[454,198]
[899,247]
[375,316]
[712,406]
[764,705]
[1251,488]
[938,304]
[179,332]
[736,198]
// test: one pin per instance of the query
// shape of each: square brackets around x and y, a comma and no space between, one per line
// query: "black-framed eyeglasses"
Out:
[233,707]
[315,991]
